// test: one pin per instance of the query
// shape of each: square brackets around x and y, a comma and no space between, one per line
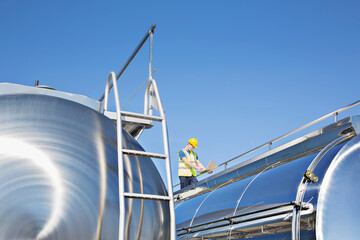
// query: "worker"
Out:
[188,162]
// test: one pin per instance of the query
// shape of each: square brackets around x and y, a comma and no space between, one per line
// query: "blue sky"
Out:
[233,74]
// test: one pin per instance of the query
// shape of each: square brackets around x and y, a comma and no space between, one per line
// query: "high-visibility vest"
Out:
[184,169]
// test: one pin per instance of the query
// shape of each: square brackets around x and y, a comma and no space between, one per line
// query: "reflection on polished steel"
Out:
[258,198]
[58,171]
[338,204]
[308,178]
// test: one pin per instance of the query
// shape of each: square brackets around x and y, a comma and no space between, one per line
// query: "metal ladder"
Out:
[152,99]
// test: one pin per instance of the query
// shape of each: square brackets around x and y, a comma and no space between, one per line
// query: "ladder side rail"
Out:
[119,154]
[106,94]
[148,110]
[151,54]
[146,106]
[168,164]
[146,98]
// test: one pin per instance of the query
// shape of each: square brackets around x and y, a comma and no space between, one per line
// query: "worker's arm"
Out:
[189,163]
[200,165]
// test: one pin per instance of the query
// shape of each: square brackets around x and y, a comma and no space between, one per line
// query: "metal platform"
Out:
[133,125]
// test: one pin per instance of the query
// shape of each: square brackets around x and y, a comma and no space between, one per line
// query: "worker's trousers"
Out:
[186,181]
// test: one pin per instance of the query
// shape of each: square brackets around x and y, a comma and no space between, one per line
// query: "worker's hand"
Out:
[202,168]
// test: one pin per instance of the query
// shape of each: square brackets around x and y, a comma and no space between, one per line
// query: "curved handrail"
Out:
[111,81]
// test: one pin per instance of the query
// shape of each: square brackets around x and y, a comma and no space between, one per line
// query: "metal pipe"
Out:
[231,222]
[230,219]
[151,31]
[146,98]
[106,95]
[150,55]
[119,154]
[168,164]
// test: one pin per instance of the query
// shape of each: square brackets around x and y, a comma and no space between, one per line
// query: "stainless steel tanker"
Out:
[307,188]
[59,171]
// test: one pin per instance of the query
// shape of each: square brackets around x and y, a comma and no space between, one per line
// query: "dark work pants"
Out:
[186,181]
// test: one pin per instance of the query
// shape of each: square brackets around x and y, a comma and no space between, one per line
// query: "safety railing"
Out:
[270,143]
[334,114]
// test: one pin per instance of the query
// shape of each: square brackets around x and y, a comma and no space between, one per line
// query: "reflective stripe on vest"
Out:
[184,169]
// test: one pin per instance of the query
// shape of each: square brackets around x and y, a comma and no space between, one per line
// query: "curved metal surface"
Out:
[287,152]
[58,174]
[338,204]
[256,207]
[304,182]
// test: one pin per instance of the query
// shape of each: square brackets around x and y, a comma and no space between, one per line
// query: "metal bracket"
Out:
[310,176]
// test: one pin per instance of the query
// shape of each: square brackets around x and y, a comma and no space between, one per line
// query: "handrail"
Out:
[151,93]
[269,143]
[119,150]
[150,32]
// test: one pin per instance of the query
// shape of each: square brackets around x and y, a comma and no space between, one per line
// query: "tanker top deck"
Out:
[295,191]
[131,125]
[11,88]
[305,145]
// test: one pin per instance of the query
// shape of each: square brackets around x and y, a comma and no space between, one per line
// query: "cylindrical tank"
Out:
[58,174]
[261,205]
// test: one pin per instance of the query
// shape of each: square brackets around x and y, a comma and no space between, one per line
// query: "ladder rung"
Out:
[142,116]
[146,196]
[111,115]
[144,154]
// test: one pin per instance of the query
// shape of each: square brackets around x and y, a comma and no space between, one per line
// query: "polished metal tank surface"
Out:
[58,174]
[269,189]
[261,204]
[339,198]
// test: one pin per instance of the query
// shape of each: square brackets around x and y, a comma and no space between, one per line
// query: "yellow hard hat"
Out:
[193,142]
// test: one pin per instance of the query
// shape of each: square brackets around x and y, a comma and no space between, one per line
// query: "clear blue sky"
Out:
[233,74]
